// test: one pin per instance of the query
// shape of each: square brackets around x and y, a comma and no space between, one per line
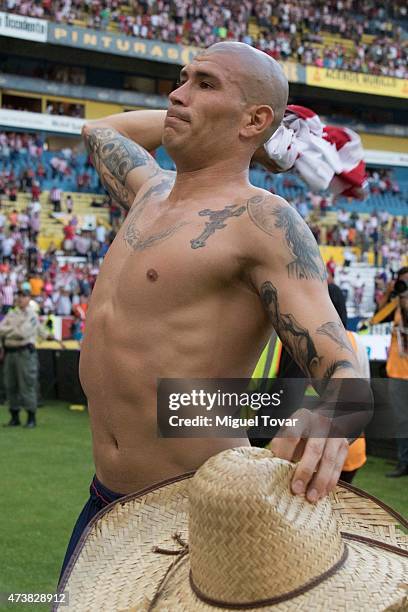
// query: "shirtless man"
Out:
[203,267]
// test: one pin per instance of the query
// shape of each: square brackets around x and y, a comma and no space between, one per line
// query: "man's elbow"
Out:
[87,128]
[85,132]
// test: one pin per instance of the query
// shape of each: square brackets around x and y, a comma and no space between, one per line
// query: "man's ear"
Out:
[257,121]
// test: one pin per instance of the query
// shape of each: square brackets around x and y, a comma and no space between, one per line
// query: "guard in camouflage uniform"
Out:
[18,332]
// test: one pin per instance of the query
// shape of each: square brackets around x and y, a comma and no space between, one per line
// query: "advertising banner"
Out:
[38,122]
[295,73]
[27,28]
[120,44]
[357,82]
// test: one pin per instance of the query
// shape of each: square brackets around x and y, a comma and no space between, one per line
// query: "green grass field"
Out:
[45,476]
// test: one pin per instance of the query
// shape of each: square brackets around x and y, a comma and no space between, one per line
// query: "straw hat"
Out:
[234,537]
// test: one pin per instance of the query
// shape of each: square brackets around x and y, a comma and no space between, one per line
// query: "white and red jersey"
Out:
[325,156]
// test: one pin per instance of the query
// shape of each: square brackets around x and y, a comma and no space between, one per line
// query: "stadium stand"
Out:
[341,34]
[23,154]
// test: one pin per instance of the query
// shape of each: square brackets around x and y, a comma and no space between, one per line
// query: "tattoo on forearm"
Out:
[337,365]
[216,221]
[307,262]
[133,235]
[114,156]
[295,337]
[336,332]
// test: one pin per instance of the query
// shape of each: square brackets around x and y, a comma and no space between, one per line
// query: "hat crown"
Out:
[250,538]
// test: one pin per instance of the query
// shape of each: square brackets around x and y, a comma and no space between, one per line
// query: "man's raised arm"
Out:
[119,145]
[290,277]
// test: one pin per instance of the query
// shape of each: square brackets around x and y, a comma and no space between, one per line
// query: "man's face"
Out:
[206,110]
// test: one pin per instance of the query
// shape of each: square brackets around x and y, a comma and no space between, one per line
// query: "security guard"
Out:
[18,332]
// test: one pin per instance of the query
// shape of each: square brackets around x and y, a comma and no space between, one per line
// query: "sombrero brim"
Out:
[114,566]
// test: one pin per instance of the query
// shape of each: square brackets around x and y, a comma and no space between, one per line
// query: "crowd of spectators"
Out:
[23,168]
[65,109]
[381,181]
[386,236]
[293,29]
[57,287]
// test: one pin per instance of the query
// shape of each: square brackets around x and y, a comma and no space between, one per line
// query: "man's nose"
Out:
[179,95]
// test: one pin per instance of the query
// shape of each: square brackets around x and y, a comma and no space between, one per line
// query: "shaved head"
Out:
[259,77]
[230,100]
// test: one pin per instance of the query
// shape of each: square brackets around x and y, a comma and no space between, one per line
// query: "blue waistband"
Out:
[104,494]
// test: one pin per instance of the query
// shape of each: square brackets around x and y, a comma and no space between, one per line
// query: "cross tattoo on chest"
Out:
[215,222]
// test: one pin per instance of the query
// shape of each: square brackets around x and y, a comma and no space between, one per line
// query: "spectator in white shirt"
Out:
[55,197]
[100,232]
[82,245]
[2,220]
[8,244]
[63,304]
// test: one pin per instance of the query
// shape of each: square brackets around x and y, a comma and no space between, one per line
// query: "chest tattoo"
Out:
[138,243]
[133,236]
[216,221]
[136,239]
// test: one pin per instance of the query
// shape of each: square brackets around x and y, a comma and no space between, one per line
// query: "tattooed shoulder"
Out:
[261,212]
[276,218]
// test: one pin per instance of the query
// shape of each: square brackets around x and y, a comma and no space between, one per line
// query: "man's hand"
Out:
[321,458]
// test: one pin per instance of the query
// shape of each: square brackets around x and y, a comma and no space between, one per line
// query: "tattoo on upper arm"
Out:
[336,332]
[114,156]
[307,262]
[216,221]
[295,337]
[337,365]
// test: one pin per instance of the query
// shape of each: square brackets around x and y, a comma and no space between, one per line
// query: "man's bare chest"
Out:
[150,223]
[173,257]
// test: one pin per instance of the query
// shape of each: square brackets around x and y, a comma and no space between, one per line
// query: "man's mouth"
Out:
[177,116]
